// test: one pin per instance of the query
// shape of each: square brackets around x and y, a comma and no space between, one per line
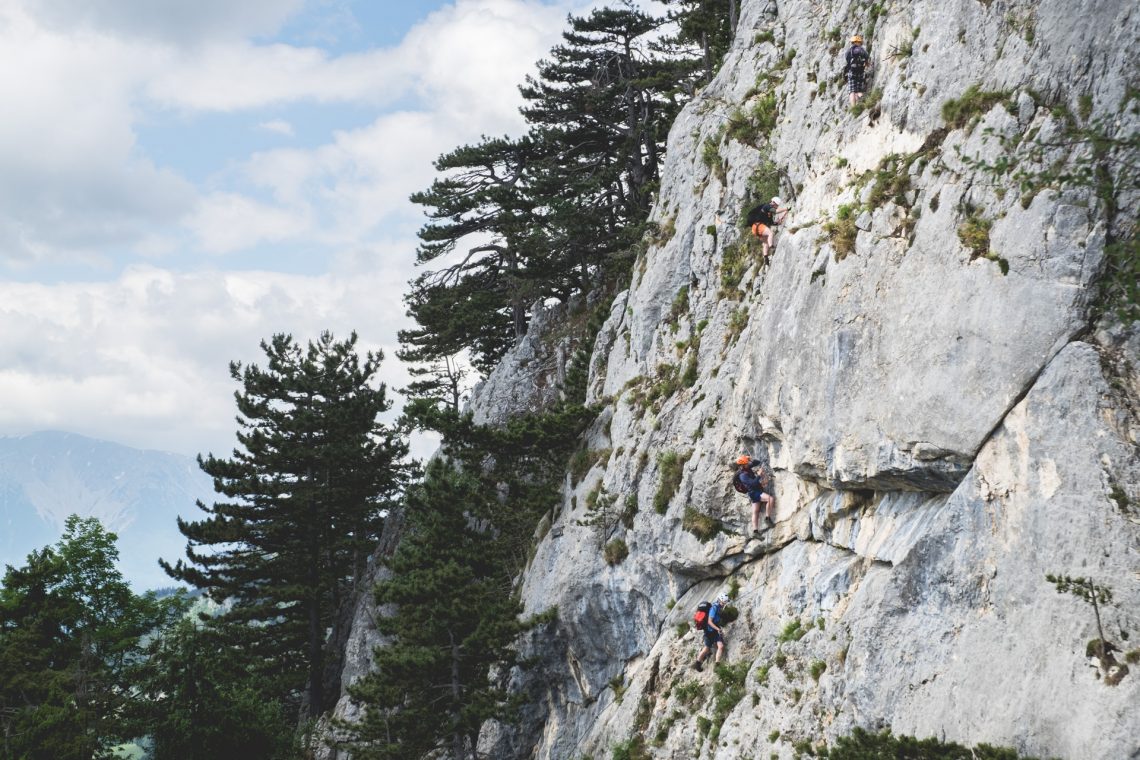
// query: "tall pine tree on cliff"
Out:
[304,499]
[454,616]
[552,214]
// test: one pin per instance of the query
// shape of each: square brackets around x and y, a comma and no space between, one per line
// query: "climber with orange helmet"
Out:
[758,486]
[858,61]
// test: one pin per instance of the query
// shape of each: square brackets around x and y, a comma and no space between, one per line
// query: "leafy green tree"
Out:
[199,701]
[304,502]
[70,629]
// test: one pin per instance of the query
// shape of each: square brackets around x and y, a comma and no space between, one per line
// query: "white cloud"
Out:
[172,21]
[467,58]
[227,222]
[277,126]
[143,359]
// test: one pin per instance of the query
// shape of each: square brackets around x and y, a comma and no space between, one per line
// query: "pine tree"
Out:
[554,213]
[709,24]
[70,629]
[601,106]
[305,499]
[456,616]
[478,300]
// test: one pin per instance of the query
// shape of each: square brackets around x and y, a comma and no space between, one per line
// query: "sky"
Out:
[180,180]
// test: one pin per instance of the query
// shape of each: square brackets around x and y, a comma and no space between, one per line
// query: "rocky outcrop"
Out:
[945,424]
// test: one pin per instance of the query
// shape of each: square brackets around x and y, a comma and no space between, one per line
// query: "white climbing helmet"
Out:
[776,201]
[722,599]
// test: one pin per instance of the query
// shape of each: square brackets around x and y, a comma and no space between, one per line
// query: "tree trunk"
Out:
[313,603]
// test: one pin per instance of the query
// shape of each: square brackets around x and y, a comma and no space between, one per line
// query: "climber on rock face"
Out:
[856,69]
[763,218]
[758,486]
[714,634]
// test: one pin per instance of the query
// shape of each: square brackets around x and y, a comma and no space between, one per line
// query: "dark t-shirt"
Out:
[856,58]
[756,484]
[762,214]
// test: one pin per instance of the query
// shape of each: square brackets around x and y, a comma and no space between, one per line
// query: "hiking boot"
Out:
[769,523]
[757,533]
[698,666]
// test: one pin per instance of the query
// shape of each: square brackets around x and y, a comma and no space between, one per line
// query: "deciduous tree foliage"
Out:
[70,630]
[304,502]
[199,700]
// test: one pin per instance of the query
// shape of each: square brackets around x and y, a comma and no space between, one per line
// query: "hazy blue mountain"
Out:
[44,477]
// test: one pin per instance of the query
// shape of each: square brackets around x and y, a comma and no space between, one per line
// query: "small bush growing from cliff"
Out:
[584,460]
[680,306]
[757,122]
[631,749]
[762,185]
[793,631]
[689,376]
[690,693]
[604,517]
[737,321]
[817,669]
[975,102]
[842,231]
[1120,283]
[975,234]
[892,181]
[672,467]
[1096,596]
[730,690]
[863,745]
[703,526]
[619,686]
[869,103]
[615,552]
[710,156]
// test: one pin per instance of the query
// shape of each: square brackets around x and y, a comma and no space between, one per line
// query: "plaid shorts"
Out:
[855,81]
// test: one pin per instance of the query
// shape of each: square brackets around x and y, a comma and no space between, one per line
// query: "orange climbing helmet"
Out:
[857,39]
[743,460]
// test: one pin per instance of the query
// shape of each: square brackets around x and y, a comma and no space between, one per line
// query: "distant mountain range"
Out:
[44,477]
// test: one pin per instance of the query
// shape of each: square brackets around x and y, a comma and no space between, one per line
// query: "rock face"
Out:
[945,424]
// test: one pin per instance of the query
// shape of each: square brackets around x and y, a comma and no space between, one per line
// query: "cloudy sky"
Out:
[179,180]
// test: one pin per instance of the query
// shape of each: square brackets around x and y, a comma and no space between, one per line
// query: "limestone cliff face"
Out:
[945,428]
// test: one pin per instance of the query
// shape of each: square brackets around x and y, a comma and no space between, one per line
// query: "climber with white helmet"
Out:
[758,486]
[858,61]
[714,633]
[763,218]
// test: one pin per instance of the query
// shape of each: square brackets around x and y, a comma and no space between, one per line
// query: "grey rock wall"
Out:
[943,433]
